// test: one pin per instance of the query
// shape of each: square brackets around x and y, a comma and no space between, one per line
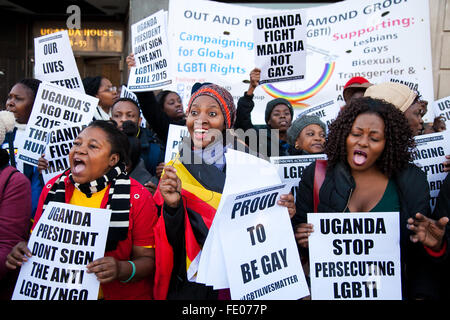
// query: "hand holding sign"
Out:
[18,255]
[428,231]
[302,233]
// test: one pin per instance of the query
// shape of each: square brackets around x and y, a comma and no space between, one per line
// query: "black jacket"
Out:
[266,142]
[418,279]
[442,209]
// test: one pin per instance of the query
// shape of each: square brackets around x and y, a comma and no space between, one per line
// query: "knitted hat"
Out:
[7,122]
[396,93]
[91,85]
[354,84]
[273,103]
[223,98]
[301,123]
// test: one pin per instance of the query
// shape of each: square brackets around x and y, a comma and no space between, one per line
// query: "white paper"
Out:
[280,45]
[61,251]
[60,141]
[342,241]
[53,106]
[151,53]
[55,62]
[327,112]
[429,156]
[261,255]
[174,139]
[255,172]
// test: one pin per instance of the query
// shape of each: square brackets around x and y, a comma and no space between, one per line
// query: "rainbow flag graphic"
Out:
[295,98]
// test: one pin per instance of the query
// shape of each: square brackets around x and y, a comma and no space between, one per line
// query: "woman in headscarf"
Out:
[189,193]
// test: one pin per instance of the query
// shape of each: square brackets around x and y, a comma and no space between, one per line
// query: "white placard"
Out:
[441,108]
[65,240]
[53,106]
[54,61]
[327,112]
[174,139]
[280,45]
[355,256]
[259,247]
[430,156]
[60,141]
[151,53]
[290,168]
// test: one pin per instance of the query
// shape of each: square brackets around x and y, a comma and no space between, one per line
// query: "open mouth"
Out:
[200,134]
[78,166]
[359,157]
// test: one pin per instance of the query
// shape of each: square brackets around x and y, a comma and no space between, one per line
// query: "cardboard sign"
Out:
[53,106]
[429,156]
[355,256]
[54,61]
[280,45]
[151,53]
[65,240]
[259,247]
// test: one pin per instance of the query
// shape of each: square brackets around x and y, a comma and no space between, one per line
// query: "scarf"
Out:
[118,199]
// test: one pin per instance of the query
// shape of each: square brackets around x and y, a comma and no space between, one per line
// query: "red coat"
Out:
[143,217]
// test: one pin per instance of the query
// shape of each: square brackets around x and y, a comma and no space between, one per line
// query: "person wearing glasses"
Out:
[101,88]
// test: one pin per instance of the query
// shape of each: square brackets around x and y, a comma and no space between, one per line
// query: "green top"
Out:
[389,202]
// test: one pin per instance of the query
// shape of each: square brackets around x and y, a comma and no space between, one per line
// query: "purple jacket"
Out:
[15,207]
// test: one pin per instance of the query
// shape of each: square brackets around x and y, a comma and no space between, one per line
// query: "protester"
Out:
[306,135]
[97,179]
[152,150]
[101,88]
[160,111]
[136,168]
[189,193]
[20,102]
[15,207]
[436,231]
[278,117]
[355,88]
[438,125]
[369,170]
[404,99]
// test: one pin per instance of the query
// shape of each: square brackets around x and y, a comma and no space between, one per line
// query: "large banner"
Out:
[213,42]
[64,241]
[355,256]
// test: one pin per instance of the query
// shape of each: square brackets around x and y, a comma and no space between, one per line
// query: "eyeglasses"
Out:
[110,89]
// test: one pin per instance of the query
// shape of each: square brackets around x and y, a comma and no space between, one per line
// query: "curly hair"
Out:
[397,152]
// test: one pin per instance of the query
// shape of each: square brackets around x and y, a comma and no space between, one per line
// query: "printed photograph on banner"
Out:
[60,141]
[280,45]
[151,53]
[174,138]
[267,266]
[429,155]
[63,242]
[355,256]
[53,106]
[54,61]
